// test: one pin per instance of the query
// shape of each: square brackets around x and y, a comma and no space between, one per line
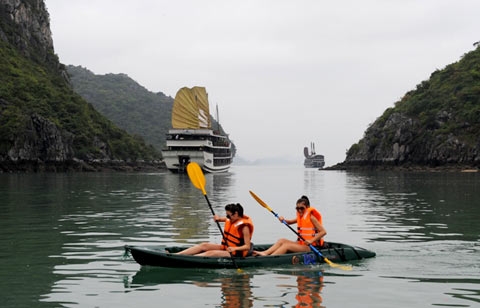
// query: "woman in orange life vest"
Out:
[310,227]
[238,232]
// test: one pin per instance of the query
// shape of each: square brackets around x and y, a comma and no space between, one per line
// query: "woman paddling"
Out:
[237,232]
[310,227]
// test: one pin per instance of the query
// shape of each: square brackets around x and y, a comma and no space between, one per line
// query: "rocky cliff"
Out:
[44,124]
[26,26]
[437,125]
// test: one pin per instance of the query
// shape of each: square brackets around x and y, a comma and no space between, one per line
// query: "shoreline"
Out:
[406,167]
[81,166]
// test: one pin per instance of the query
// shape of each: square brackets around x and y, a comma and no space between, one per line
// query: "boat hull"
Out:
[177,161]
[166,257]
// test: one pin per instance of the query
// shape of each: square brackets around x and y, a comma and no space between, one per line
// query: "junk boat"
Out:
[192,139]
[313,160]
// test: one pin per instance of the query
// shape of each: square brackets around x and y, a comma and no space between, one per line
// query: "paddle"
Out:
[198,180]
[262,203]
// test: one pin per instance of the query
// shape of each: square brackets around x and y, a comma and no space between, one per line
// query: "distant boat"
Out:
[192,139]
[313,160]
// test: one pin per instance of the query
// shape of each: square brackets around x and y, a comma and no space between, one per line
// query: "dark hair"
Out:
[304,200]
[234,208]
[307,201]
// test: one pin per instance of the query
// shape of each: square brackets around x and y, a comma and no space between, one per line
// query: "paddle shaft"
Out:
[218,224]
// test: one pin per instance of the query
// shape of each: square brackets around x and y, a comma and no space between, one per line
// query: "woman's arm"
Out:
[289,221]
[219,219]
[246,236]
[321,230]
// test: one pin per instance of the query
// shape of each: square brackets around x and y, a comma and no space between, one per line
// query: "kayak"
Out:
[166,257]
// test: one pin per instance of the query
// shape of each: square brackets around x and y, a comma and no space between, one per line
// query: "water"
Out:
[62,238]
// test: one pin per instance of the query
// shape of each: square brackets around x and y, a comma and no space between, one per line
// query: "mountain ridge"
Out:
[44,124]
[437,125]
[126,103]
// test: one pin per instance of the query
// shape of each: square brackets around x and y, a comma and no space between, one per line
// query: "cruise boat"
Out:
[313,160]
[192,139]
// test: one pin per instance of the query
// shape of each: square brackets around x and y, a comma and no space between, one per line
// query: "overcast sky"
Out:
[283,73]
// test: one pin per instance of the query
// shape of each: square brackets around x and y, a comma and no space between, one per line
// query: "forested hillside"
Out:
[125,103]
[435,125]
[44,124]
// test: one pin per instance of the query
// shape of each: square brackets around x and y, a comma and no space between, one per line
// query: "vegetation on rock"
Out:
[126,103]
[42,120]
[437,124]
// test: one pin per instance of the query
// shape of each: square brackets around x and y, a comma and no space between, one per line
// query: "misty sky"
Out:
[283,73]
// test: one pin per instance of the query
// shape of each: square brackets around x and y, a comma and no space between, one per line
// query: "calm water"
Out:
[62,238]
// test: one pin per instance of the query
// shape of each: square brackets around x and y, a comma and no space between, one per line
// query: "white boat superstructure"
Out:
[313,160]
[192,139]
[211,151]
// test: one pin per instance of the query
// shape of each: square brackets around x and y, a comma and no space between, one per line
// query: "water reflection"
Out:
[416,207]
[63,237]
[186,207]
[457,289]
[308,288]
[297,288]
[156,208]
[236,289]
[426,224]
[219,191]
[28,205]
[190,217]
[108,211]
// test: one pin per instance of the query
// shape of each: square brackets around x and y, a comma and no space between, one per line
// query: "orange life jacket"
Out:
[234,236]
[306,228]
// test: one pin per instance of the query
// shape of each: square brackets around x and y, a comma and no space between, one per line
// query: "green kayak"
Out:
[167,257]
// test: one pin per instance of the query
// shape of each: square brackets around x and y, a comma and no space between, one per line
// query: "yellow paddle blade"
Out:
[343,267]
[260,201]
[196,176]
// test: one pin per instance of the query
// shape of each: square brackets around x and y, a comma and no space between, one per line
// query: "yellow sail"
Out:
[191,109]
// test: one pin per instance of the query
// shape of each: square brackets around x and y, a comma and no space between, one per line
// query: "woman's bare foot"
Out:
[258,253]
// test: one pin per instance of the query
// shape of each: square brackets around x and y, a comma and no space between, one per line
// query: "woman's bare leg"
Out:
[290,247]
[214,253]
[272,248]
[200,248]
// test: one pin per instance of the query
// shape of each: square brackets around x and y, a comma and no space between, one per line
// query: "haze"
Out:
[283,73]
